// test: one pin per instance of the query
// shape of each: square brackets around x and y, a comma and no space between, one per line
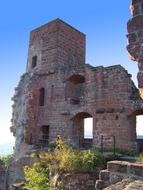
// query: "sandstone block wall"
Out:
[82,181]
[72,91]
[117,171]
[135,37]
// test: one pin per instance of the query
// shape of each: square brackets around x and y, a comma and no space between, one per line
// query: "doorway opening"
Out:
[83,130]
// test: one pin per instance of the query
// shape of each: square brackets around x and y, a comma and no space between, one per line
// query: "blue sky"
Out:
[103,22]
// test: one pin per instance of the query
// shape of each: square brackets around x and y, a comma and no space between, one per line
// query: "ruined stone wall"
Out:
[111,105]
[15,173]
[82,181]
[135,37]
[117,171]
[73,91]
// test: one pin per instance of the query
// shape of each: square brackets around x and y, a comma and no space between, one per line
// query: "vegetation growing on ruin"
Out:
[37,177]
[117,151]
[58,159]
[140,159]
[6,159]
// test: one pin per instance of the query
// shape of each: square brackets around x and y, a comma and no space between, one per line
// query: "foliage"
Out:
[56,160]
[68,159]
[37,177]
[6,159]
[125,152]
[140,159]
[90,160]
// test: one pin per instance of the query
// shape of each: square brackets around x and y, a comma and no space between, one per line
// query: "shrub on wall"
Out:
[140,159]
[58,159]
[37,177]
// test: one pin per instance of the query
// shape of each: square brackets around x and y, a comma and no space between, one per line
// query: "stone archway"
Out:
[78,131]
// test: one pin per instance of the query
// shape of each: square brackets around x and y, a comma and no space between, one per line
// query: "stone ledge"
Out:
[123,167]
[117,166]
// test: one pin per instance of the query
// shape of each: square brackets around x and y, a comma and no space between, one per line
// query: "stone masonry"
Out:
[135,37]
[120,171]
[59,90]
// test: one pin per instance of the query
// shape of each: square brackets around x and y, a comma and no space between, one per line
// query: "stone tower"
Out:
[135,38]
[56,52]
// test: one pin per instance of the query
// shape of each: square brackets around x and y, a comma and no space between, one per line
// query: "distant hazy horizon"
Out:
[6,148]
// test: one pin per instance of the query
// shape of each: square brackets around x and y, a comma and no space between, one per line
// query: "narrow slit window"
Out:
[42,97]
[52,91]
[34,61]
[142,6]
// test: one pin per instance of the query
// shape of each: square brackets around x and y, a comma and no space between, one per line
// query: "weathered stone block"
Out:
[104,175]
[115,177]
[135,169]
[100,184]
[117,166]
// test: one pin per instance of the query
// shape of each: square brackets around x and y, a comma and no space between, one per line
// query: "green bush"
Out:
[68,159]
[140,159]
[125,152]
[57,160]
[90,160]
[6,159]
[37,177]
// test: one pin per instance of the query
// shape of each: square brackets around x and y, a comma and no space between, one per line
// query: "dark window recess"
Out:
[142,6]
[44,140]
[41,97]
[52,91]
[31,139]
[34,61]
[74,101]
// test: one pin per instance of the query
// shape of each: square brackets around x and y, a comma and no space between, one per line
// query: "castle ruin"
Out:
[59,90]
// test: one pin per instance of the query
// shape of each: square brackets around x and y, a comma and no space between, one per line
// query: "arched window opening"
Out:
[83,130]
[75,89]
[42,97]
[34,61]
[44,137]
